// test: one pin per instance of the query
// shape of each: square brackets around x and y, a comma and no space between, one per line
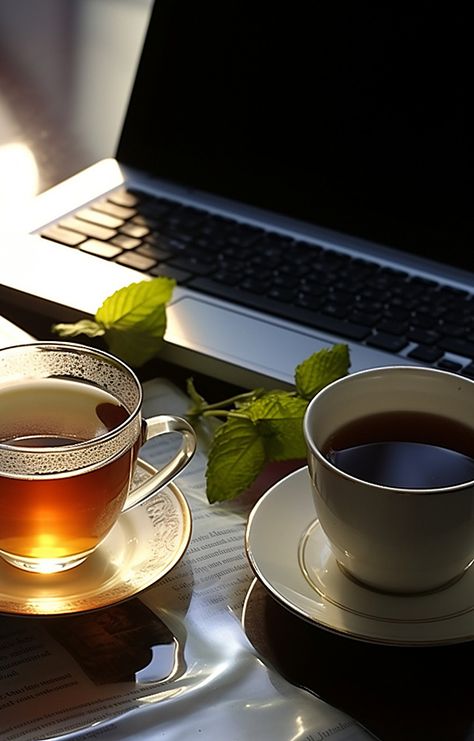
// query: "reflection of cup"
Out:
[70,432]
[391,460]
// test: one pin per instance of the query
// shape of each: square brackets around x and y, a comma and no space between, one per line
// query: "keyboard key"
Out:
[134,260]
[335,310]
[123,197]
[97,217]
[170,244]
[457,346]
[361,317]
[310,301]
[389,342]
[150,222]
[425,354]
[150,250]
[64,236]
[449,365]
[232,278]
[126,243]
[156,207]
[346,329]
[87,228]
[134,230]
[452,330]
[423,336]
[121,212]
[390,326]
[191,264]
[101,249]
[180,276]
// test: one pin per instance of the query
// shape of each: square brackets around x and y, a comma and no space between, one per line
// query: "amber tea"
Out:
[52,517]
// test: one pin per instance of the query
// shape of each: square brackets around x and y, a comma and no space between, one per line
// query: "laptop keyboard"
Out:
[321,288]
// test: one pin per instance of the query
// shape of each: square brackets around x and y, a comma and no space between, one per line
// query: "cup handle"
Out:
[162,425]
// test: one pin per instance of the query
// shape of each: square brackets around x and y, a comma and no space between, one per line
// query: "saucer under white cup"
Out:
[290,555]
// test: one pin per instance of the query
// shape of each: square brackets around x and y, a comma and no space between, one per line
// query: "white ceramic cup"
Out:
[398,540]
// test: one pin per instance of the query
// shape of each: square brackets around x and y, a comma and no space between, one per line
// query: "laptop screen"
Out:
[351,116]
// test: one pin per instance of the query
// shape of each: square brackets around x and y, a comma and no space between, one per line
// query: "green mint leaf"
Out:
[134,319]
[134,305]
[236,457]
[279,419]
[321,368]
[84,326]
[133,347]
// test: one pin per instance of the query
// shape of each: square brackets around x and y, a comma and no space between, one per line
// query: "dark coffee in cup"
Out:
[404,449]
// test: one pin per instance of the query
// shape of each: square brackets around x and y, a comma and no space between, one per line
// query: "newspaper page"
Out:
[171,663]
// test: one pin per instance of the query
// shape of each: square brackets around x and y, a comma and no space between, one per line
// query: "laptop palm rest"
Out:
[209,338]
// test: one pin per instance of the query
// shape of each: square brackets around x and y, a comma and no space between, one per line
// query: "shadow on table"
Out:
[397,693]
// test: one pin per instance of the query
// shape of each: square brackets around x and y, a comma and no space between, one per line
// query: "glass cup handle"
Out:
[162,425]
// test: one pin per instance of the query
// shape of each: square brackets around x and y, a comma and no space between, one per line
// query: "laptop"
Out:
[302,171]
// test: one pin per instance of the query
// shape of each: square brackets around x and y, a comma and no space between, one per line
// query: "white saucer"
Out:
[289,553]
[143,546]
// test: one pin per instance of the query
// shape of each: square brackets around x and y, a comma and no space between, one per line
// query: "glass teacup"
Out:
[71,429]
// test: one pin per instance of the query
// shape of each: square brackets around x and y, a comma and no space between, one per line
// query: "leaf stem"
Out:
[231,400]
[221,413]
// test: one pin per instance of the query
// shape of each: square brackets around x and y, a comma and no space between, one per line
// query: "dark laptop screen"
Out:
[353,116]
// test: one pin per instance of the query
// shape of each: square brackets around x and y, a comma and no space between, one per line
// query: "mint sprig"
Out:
[262,426]
[254,428]
[132,320]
